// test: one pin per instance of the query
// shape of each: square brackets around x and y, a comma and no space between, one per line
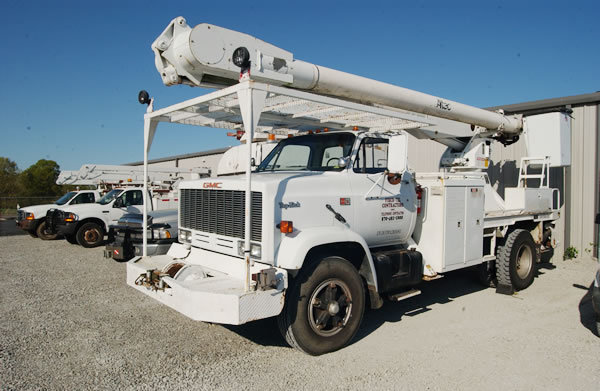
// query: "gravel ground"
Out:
[68,321]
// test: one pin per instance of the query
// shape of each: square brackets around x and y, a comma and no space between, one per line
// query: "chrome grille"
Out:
[20,215]
[220,212]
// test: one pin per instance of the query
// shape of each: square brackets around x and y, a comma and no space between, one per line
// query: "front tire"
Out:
[90,235]
[324,307]
[42,232]
[516,260]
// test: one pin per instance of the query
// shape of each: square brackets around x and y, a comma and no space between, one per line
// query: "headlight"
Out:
[29,216]
[161,233]
[185,236]
[255,250]
[70,217]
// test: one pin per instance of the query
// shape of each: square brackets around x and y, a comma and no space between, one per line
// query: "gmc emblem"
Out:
[212,185]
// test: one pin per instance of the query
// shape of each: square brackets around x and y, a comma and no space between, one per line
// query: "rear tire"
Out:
[516,260]
[324,308]
[90,235]
[43,234]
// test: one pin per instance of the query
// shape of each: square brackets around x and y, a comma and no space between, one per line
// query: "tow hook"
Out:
[152,279]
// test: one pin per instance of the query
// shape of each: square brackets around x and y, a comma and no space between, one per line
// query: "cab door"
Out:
[129,201]
[382,204]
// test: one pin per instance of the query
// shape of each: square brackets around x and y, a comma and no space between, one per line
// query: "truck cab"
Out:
[318,201]
[33,218]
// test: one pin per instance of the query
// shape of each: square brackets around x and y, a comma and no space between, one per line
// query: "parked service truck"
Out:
[87,224]
[33,218]
[334,219]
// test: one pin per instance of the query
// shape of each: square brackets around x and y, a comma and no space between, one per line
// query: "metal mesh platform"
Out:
[288,111]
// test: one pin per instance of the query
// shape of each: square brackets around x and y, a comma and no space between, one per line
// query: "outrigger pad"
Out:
[505,289]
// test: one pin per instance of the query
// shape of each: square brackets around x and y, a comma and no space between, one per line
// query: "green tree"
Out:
[9,174]
[40,179]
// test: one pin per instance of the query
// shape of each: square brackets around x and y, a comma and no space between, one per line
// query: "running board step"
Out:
[404,295]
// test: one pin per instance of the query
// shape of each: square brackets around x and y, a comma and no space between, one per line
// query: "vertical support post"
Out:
[149,130]
[251,103]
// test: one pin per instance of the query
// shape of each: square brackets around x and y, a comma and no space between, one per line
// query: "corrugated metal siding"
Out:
[424,155]
[582,180]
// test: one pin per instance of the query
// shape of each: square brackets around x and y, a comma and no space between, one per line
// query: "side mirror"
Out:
[252,162]
[118,203]
[398,154]
[343,162]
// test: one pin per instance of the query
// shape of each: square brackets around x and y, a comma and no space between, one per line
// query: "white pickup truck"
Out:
[33,218]
[87,224]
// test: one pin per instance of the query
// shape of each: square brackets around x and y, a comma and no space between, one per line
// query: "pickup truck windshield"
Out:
[108,197]
[313,152]
[64,199]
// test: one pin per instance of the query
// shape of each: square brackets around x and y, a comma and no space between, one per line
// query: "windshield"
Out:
[311,152]
[108,197]
[64,199]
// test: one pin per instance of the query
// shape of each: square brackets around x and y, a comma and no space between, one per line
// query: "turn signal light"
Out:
[30,216]
[271,137]
[286,227]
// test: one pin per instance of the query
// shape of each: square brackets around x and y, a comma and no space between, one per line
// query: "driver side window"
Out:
[331,156]
[84,198]
[130,198]
[372,156]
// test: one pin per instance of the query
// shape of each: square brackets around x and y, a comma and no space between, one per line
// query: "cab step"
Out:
[404,295]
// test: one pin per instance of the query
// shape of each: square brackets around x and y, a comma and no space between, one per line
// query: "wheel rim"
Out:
[91,235]
[524,261]
[329,307]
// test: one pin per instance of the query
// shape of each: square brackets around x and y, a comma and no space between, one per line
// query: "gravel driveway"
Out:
[68,321]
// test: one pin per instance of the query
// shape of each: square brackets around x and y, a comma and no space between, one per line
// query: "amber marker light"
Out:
[286,227]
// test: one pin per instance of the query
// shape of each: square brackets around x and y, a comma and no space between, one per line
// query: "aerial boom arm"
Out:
[202,56]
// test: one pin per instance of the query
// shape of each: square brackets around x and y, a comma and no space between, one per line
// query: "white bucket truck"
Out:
[334,219]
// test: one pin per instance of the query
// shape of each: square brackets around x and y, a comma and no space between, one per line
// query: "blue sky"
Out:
[71,70]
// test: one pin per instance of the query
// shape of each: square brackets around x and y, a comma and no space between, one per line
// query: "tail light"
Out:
[419,198]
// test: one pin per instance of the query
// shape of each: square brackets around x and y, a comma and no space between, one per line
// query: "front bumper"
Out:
[208,286]
[26,225]
[124,243]
[55,223]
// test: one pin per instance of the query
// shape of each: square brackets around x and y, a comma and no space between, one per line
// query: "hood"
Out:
[84,207]
[260,181]
[38,209]
[166,216]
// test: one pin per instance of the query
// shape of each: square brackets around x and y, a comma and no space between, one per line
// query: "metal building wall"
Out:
[582,181]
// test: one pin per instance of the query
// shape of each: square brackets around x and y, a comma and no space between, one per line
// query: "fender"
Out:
[293,248]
